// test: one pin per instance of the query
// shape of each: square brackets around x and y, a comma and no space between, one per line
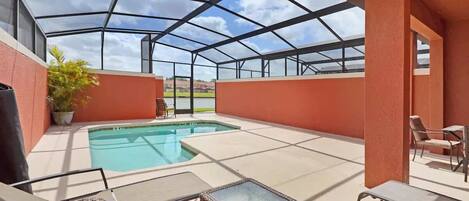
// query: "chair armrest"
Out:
[433,131]
[58,175]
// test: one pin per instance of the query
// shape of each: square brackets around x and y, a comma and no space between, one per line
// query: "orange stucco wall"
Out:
[387,91]
[121,97]
[29,80]
[456,72]
[420,99]
[329,105]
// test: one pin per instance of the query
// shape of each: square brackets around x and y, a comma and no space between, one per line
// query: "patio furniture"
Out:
[398,191]
[244,190]
[421,136]
[465,142]
[13,165]
[181,186]
[162,108]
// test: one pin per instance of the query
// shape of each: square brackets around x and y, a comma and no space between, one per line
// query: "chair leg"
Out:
[415,152]
[451,158]
[362,196]
[421,153]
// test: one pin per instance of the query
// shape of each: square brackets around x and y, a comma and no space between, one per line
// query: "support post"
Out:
[297,64]
[302,73]
[343,60]
[174,87]
[194,58]
[286,67]
[262,68]
[218,72]
[268,66]
[387,91]
[150,55]
[102,50]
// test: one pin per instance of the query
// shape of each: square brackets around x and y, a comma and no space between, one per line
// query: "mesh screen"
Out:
[40,45]
[7,17]
[26,28]
[145,50]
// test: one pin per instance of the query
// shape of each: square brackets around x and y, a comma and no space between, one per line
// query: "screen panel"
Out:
[40,44]
[71,23]
[7,17]
[55,7]
[160,8]
[26,28]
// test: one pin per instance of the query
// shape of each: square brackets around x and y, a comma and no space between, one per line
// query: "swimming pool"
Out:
[132,148]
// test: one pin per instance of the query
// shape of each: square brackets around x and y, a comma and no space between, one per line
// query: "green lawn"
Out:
[204,110]
[168,94]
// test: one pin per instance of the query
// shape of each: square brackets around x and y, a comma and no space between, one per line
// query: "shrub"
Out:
[66,79]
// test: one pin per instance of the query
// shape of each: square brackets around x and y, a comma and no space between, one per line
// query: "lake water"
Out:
[184,103]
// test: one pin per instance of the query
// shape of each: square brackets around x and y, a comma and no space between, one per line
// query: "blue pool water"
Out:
[124,149]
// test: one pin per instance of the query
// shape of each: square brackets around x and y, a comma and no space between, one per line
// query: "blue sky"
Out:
[122,51]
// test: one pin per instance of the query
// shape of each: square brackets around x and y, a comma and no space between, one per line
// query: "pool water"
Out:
[125,149]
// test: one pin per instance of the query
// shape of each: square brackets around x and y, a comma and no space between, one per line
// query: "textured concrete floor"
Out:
[306,165]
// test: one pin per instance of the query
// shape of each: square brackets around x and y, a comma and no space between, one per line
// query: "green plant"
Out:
[66,79]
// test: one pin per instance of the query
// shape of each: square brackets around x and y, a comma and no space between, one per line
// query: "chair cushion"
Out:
[397,191]
[9,193]
[105,195]
[439,143]
[170,187]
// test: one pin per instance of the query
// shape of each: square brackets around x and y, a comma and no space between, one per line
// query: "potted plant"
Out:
[66,79]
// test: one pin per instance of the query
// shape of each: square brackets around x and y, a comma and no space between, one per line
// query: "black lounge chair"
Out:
[181,186]
[397,191]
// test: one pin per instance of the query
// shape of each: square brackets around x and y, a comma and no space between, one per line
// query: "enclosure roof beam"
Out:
[188,17]
[335,60]
[306,50]
[71,15]
[73,32]
[109,14]
[183,49]
[145,16]
[131,31]
[296,20]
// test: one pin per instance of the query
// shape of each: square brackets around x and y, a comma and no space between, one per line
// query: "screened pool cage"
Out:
[235,38]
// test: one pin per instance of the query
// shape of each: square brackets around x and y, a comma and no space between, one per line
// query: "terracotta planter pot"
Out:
[63,118]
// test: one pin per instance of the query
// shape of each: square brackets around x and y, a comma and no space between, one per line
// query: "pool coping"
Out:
[145,124]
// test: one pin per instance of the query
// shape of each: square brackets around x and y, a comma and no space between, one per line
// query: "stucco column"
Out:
[436,83]
[387,91]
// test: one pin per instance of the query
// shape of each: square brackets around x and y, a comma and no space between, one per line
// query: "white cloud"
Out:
[84,46]
[347,23]
[217,24]
[122,51]
[163,8]
[49,7]
[269,12]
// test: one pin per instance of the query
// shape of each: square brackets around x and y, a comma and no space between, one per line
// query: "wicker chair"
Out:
[421,136]
[162,108]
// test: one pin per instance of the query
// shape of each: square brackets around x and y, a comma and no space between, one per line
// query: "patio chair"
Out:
[421,136]
[181,186]
[162,108]
[398,191]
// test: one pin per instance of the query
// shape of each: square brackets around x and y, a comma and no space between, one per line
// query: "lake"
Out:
[184,103]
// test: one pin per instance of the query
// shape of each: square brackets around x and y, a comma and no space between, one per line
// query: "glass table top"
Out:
[245,191]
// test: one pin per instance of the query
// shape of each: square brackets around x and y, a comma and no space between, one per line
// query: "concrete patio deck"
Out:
[306,165]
